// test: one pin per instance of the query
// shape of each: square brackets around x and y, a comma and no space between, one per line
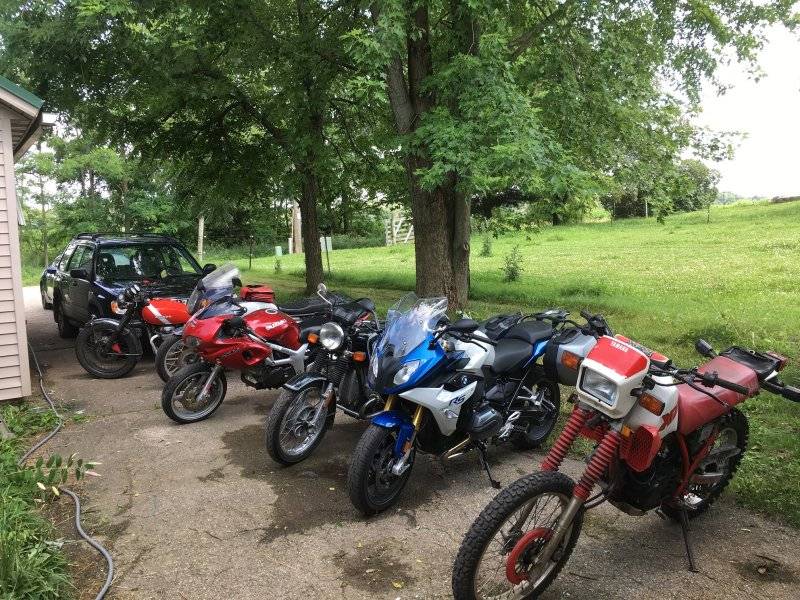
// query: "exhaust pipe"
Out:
[458,449]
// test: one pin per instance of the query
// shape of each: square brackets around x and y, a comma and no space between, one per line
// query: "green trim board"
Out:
[21,93]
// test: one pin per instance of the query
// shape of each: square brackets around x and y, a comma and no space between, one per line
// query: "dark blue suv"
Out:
[95,267]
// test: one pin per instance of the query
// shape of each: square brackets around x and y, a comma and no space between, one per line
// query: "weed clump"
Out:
[512,265]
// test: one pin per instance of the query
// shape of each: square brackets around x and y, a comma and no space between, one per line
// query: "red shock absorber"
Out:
[598,464]
[565,440]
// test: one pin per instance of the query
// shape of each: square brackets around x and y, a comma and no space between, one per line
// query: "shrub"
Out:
[278,267]
[486,247]
[512,265]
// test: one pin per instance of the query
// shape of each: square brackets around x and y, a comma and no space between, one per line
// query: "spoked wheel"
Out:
[716,470]
[544,403]
[297,423]
[106,353]
[371,482]
[181,399]
[498,557]
[172,356]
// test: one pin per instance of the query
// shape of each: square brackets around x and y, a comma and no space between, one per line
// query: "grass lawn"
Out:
[733,280]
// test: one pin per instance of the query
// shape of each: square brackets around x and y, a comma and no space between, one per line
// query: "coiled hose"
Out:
[92,542]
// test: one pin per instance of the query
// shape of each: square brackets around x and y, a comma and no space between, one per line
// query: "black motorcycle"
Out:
[337,378]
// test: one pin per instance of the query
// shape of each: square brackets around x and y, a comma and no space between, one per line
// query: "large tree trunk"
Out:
[309,188]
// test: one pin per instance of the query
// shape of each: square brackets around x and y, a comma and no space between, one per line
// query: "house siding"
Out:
[14,368]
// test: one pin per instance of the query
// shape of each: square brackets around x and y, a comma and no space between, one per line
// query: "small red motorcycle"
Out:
[267,346]
[668,439]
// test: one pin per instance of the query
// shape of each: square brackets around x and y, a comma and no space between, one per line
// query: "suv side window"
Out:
[65,256]
[81,259]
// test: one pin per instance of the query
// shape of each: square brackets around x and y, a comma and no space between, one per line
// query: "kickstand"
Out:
[686,541]
[485,464]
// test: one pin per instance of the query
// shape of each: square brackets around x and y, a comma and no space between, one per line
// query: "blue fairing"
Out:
[395,419]
[538,350]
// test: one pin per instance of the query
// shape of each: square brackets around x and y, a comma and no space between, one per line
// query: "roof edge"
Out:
[21,93]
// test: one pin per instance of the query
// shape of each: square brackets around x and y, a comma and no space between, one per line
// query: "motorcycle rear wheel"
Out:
[172,356]
[182,388]
[538,431]
[496,535]
[288,420]
[105,353]
[370,484]
[733,434]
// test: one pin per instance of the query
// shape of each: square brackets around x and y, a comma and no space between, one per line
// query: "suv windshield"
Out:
[144,261]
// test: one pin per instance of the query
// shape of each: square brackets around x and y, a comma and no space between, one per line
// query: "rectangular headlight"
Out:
[599,386]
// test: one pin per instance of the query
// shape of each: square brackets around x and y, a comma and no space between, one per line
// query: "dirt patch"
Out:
[215,474]
[376,567]
[764,569]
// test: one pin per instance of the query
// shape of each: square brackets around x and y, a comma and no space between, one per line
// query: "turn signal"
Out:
[313,338]
[570,360]
[359,356]
[651,403]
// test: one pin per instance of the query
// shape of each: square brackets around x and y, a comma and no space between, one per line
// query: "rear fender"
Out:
[397,421]
[303,381]
[131,334]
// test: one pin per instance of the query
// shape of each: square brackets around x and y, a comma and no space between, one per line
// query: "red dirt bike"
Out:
[268,346]
[110,348]
[668,439]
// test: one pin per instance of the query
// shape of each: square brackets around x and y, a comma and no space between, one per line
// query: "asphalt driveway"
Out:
[200,511]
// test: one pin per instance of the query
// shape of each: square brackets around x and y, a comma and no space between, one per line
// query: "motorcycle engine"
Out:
[647,490]
[263,377]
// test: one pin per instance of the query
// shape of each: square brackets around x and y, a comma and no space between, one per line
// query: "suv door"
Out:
[76,289]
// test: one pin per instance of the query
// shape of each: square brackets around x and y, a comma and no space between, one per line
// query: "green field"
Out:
[733,280]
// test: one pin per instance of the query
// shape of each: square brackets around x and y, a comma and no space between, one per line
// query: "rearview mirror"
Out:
[208,268]
[322,289]
[79,274]
[704,348]
[464,325]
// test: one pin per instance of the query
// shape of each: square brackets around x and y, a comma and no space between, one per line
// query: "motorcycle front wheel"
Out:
[172,356]
[497,556]
[106,353]
[179,400]
[292,431]
[370,482]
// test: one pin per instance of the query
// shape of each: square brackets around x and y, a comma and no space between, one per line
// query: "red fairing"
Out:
[695,408]
[242,352]
[618,356]
[165,311]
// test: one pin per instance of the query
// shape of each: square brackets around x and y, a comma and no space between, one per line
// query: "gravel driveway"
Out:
[200,511]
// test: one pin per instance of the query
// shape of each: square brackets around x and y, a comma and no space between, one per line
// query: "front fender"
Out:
[399,421]
[303,381]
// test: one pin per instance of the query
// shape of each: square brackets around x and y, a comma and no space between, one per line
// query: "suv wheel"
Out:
[66,329]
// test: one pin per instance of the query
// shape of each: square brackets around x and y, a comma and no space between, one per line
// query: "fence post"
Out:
[201,226]
[250,267]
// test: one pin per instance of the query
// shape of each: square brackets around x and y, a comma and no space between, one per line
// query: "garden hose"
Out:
[91,541]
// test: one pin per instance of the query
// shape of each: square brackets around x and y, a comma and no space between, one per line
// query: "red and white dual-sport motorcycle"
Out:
[667,439]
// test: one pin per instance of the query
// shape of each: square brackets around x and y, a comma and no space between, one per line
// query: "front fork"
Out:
[209,382]
[405,443]
[604,454]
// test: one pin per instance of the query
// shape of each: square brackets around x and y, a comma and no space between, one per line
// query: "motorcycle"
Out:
[173,354]
[306,406]
[110,348]
[266,345]
[450,388]
[667,439]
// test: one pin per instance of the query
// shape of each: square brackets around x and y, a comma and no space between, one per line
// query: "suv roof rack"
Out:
[113,234]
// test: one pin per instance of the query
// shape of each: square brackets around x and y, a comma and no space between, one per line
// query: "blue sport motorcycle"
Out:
[449,388]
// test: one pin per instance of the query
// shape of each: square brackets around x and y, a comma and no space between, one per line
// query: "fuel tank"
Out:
[165,311]
[276,326]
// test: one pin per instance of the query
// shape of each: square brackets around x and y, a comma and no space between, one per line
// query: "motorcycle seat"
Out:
[695,408]
[530,331]
[510,354]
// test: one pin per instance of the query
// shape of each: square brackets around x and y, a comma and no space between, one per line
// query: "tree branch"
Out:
[525,41]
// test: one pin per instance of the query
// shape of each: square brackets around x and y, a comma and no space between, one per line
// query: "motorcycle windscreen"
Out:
[410,322]
[217,284]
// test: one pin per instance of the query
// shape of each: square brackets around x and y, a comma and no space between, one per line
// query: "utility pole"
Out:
[201,230]
[297,236]
[43,202]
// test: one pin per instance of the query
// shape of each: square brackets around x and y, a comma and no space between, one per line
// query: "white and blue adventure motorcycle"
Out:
[449,388]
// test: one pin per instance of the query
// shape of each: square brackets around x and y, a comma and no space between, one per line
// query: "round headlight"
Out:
[331,336]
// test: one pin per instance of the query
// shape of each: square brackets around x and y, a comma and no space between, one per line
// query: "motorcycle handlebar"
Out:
[713,379]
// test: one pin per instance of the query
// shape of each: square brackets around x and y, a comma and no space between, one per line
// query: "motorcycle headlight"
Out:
[331,336]
[191,342]
[405,372]
[117,307]
[599,386]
